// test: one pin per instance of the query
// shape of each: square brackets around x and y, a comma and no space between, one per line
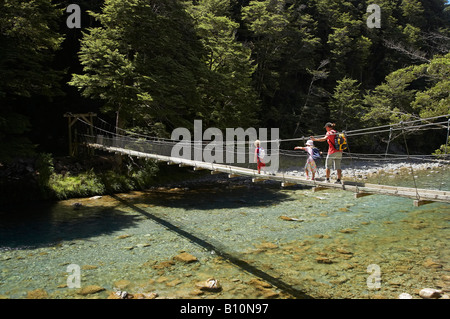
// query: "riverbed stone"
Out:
[267,245]
[164,264]
[88,267]
[430,263]
[259,284]
[185,257]
[196,292]
[123,236]
[122,284]
[291,218]
[269,294]
[324,260]
[173,283]
[37,294]
[347,231]
[91,289]
[145,295]
[210,285]
[344,251]
[430,293]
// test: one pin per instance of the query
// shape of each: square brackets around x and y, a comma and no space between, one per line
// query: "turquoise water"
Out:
[234,229]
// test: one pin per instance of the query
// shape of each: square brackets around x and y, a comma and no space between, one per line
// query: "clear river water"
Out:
[336,246]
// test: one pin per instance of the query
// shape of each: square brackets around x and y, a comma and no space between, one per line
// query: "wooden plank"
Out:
[258,179]
[233,175]
[420,202]
[287,184]
[411,189]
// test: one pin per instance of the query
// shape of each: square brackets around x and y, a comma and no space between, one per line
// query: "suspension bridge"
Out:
[111,139]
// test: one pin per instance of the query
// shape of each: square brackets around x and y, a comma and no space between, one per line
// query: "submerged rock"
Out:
[122,284]
[405,296]
[123,236]
[291,219]
[429,263]
[91,289]
[324,260]
[211,285]
[164,264]
[37,294]
[118,294]
[259,284]
[343,251]
[430,293]
[267,245]
[269,294]
[145,295]
[185,257]
[77,206]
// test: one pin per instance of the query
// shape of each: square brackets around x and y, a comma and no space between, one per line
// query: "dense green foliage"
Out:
[28,39]
[154,65]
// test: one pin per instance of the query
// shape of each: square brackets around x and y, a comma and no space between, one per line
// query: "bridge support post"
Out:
[420,202]
[72,119]
[287,184]
[362,194]
[258,179]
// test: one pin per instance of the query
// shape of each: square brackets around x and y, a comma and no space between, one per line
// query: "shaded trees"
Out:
[28,41]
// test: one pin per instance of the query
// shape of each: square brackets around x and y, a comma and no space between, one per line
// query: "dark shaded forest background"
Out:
[153,65]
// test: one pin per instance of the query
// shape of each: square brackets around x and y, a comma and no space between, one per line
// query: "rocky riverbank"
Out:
[364,170]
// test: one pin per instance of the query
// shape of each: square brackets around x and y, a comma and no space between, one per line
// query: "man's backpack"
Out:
[340,141]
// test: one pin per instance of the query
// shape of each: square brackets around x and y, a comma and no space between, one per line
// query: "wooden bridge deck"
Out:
[420,196]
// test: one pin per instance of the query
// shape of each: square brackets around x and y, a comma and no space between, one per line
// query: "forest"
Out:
[151,66]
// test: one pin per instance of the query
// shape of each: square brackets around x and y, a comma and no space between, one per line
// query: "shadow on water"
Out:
[46,224]
[211,245]
[214,196]
[43,225]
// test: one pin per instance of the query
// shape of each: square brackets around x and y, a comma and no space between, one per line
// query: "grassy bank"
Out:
[48,178]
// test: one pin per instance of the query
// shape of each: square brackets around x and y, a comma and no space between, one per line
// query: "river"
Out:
[238,233]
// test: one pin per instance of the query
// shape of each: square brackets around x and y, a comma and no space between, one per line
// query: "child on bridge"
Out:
[313,153]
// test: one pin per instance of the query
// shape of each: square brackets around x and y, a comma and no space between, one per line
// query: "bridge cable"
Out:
[410,165]
[445,153]
[352,164]
[387,151]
